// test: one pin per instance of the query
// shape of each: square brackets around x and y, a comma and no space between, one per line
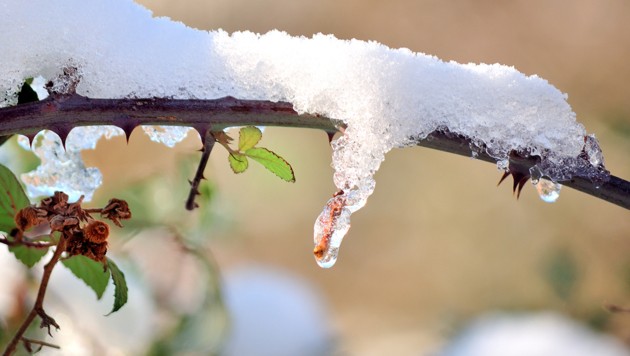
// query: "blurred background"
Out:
[437,248]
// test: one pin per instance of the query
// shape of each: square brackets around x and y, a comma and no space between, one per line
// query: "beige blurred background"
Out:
[438,242]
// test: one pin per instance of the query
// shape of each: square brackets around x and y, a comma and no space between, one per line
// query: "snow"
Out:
[536,334]
[386,97]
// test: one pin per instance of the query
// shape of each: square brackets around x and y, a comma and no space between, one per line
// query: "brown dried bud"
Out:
[27,218]
[96,232]
[98,251]
[60,222]
[115,210]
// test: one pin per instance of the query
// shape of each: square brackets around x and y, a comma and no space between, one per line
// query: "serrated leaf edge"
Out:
[257,159]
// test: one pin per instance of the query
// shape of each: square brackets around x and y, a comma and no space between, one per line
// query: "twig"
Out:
[208,143]
[27,243]
[41,343]
[38,307]
[61,113]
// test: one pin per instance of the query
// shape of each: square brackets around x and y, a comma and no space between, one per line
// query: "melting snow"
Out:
[386,97]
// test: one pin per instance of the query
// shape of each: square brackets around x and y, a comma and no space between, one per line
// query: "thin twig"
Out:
[38,307]
[42,343]
[61,113]
[27,243]
[194,183]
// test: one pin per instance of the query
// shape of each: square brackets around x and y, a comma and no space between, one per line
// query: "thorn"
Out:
[505,175]
[31,137]
[202,130]
[63,135]
[518,181]
[331,135]
[128,131]
[521,184]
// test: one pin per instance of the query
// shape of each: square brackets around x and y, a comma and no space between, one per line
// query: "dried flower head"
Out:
[29,217]
[61,223]
[115,210]
[96,231]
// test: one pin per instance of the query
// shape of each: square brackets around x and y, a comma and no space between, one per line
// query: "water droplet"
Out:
[330,228]
[548,191]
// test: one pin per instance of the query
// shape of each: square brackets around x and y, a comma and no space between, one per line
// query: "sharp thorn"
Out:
[505,175]
[331,135]
[521,184]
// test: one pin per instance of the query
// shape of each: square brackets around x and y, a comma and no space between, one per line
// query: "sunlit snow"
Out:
[386,97]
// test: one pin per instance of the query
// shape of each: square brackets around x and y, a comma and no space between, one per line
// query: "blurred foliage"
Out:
[561,272]
[158,202]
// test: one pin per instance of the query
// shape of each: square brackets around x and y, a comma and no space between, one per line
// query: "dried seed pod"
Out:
[27,218]
[96,232]
[98,251]
[115,210]
[60,222]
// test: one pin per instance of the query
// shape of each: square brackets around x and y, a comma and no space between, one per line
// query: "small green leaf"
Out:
[120,293]
[272,162]
[238,162]
[93,273]
[248,137]
[12,199]
[29,255]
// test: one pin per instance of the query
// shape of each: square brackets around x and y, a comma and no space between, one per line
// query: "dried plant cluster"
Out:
[84,235]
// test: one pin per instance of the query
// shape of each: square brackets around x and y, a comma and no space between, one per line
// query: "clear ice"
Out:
[64,169]
[384,98]
[547,190]
[167,135]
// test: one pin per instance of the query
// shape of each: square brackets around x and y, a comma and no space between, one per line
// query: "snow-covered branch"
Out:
[385,98]
[62,113]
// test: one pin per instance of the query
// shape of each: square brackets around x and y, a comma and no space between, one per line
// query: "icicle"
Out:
[547,190]
[330,228]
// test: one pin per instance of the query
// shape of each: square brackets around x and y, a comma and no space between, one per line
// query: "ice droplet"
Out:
[63,169]
[548,191]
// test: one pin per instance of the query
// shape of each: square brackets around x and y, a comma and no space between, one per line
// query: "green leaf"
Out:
[12,199]
[272,162]
[29,255]
[248,137]
[120,292]
[238,162]
[93,273]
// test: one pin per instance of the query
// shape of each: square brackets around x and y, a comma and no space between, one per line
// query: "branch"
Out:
[38,307]
[61,113]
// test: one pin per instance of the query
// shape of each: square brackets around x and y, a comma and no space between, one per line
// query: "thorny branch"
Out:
[80,234]
[38,307]
[61,113]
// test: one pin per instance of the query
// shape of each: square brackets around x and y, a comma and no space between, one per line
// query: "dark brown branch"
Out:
[40,343]
[61,113]
[194,183]
[64,112]
[26,242]
[38,307]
